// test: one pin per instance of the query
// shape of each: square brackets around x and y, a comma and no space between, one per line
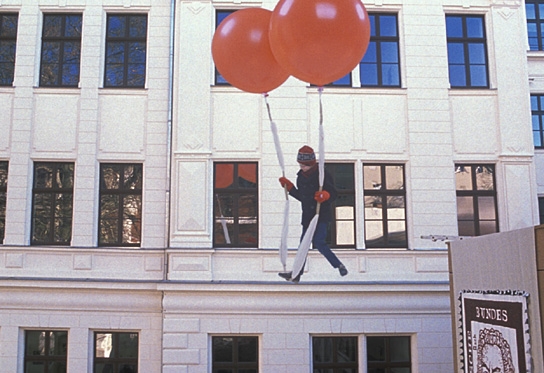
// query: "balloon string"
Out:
[321,147]
[277,144]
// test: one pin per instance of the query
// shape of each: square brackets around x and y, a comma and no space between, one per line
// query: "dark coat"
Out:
[307,185]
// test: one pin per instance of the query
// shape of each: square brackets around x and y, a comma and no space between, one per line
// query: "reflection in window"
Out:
[52,202]
[235,354]
[126,42]
[537,118]
[380,65]
[476,199]
[342,230]
[116,352]
[235,205]
[46,351]
[8,41]
[335,355]
[467,51]
[388,354]
[3,193]
[120,204]
[61,50]
[535,23]
[385,208]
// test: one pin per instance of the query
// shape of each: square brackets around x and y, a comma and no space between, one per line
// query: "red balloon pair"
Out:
[316,41]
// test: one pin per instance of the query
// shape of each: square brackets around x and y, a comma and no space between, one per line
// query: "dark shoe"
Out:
[297,279]
[342,269]
[286,275]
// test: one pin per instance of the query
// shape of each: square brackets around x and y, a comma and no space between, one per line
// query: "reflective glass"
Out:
[372,177]
[369,74]
[486,208]
[475,27]
[389,52]
[222,349]
[374,232]
[400,349]
[535,119]
[530,11]
[463,178]
[390,75]
[128,345]
[457,75]
[456,53]
[488,227]
[394,176]
[537,139]
[476,53]
[388,25]
[465,208]
[375,347]
[466,228]
[247,349]
[484,178]
[454,26]
[322,349]
[478,77]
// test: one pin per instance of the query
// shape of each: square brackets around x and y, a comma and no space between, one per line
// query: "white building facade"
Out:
[123,155]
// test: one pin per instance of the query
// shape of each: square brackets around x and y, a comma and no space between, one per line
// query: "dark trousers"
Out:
[319,243]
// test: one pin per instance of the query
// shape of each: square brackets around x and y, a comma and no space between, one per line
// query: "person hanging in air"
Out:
[307,192]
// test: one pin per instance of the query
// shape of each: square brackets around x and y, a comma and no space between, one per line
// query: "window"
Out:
[541,209]
[380,65]
[8,41]
[126,39]
[3,193]
[61,50]
[120,204]
[476,199]
[388,354]
[52,203]
[335,355]
[467,51]
[534,10]
[342,231]
[220,15]
[235,205]
[46,351]
[537,115]
[385,207]
[115,352]
[235,355]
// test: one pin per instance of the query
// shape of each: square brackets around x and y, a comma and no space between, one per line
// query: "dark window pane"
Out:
[126,44]
[235,204]
[454,26]
[120,204]
[61,50]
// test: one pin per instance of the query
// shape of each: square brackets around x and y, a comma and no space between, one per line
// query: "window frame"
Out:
[63,41]
[475,193]
[235,192]
[122,192]
[11,41]
[126,40]
[538,23]
[116,361]
[52,192]
[235,365]
[332,236]
[46,358]
[379,41]
[538,113]
[466,41]
[388,364]
[4,171]
[382,194]
[335,366]
[541,209]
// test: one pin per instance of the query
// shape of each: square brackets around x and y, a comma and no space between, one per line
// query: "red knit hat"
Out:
[306,156]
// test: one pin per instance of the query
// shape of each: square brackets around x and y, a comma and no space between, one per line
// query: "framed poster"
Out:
[495,332]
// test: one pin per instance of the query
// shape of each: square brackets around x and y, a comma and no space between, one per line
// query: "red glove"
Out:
[286,183]
[321,196]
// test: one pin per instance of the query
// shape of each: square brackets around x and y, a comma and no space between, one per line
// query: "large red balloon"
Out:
[319,41]
[242,54]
